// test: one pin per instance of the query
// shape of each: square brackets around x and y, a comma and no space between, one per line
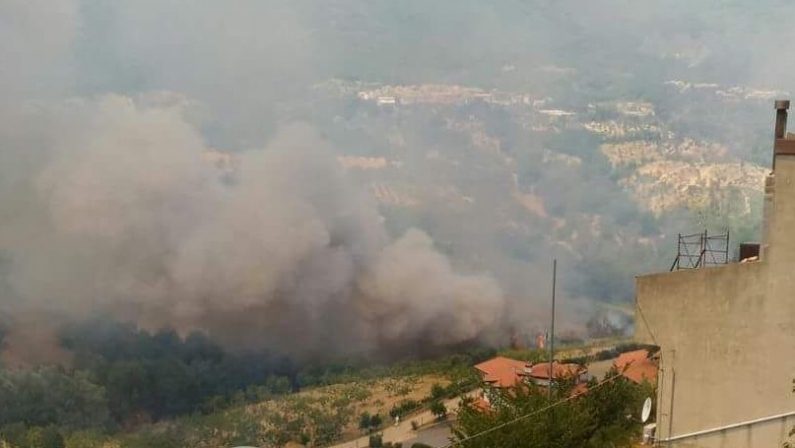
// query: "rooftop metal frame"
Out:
[699,250]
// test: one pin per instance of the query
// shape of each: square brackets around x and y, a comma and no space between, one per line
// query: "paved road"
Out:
[436,436]
[403,432]
[598,369]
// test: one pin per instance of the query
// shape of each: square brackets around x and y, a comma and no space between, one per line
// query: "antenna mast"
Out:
[551,371]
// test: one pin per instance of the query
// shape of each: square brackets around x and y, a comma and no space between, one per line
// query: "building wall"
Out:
[727,337]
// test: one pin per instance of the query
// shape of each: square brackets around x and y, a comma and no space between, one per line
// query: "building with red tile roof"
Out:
[637,366]
[540,373]
[506,372]
[501,371]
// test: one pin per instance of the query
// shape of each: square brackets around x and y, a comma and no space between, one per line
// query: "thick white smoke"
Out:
[126,210]
[115,203]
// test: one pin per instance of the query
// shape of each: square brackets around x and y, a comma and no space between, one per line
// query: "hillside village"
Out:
[664,171]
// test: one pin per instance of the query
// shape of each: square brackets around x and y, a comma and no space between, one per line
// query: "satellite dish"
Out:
[646,412]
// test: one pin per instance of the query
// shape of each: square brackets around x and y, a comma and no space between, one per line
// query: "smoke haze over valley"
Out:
[357,177]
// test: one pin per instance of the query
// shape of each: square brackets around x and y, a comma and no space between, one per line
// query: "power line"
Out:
[646,323]
[531,414]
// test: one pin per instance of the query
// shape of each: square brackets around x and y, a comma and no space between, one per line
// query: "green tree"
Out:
[52,396]
[437,391]
[364,421]
[438,409]
[597,418]
[14,434]
[376,441]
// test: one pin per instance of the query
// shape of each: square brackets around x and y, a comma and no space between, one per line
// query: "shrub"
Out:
[46,437]
[375,421]
[403,408]
[376,441]
[151,439]
[85,439]
[364,421]
[437,391]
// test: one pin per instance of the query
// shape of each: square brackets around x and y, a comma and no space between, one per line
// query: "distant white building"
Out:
[386,101]
[556,113]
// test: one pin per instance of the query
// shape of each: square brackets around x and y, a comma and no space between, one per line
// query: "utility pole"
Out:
[551,371]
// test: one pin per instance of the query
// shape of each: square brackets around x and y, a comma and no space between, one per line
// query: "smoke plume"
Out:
[127,211]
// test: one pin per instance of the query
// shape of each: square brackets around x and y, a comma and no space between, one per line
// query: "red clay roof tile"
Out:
[637,366]
[501,371]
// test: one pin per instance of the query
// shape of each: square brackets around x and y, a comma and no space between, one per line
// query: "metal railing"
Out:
[719,429]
